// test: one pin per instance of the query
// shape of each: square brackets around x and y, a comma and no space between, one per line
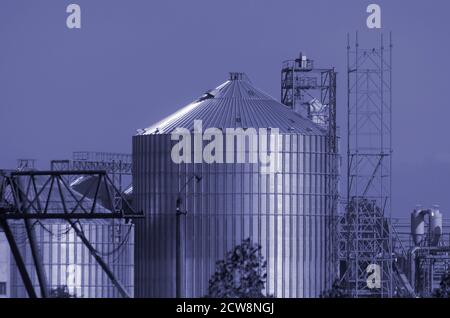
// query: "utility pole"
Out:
[180,233]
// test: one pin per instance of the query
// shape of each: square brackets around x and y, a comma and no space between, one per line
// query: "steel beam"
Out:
[18,259]
[37,258]
[99,260]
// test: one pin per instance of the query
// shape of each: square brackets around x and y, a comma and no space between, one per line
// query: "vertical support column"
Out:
[37,258]
[179,249]
[99,260]
[18,259]
[35,252]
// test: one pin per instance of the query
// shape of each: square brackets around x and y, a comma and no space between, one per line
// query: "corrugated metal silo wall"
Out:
[67,261]
[289,214]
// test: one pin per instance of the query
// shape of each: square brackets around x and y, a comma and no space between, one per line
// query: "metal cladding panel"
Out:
[290,214]
[68,262]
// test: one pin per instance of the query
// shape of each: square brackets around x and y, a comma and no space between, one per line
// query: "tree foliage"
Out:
[336,291]
[241,275]
[61,292]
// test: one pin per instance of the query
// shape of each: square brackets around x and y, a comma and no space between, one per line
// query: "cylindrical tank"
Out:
[435,226]
[417,226]
[289,212]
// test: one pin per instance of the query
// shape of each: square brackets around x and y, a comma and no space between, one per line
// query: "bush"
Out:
[241,275]
[336,291]
[61,292]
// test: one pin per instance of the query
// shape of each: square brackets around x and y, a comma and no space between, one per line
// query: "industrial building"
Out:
[422,247]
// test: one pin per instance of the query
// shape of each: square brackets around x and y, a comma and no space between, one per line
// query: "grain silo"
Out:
[288,211]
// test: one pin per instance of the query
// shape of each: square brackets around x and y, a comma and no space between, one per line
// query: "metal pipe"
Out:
[18,258]
[37,258]
[179,246]
[179,255]
[99,260]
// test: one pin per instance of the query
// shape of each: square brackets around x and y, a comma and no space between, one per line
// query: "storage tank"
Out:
[435,226]
[288,210]
[417,226]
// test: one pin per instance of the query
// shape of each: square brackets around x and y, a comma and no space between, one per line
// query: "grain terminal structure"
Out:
[68,263]
[290,213]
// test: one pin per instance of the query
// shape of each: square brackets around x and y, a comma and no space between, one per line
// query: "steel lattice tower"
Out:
[311,91]
[365,229]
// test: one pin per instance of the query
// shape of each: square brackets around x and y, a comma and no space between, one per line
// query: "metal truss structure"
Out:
[311,92]
[424,263]
[40,195]
[47,195]
[365,231]
[428,265]
[26,164]
[117,166]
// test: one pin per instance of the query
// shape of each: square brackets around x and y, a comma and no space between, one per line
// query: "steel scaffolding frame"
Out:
[365,231]
[311,91]
[116,165]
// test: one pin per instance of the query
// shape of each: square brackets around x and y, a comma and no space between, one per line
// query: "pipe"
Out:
[179,253]
[180,233]
[37,258]
[18,258]
[99,260]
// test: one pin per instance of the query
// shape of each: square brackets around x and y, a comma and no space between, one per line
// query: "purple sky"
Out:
[134,62]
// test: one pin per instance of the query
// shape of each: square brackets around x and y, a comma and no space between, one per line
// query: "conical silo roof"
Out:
[236,103]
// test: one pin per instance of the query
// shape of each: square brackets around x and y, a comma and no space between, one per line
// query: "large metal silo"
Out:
[289,213]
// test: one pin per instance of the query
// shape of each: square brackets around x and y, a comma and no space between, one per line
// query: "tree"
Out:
[444,287]
[241,275]
[336,291]
[61,292]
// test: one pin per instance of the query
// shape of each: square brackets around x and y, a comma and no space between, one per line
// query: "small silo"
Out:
[287,210]
[66,260]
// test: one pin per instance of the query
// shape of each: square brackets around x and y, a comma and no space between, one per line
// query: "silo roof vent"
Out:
[236,76]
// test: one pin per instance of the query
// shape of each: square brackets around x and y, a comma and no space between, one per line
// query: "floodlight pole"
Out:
[179,233]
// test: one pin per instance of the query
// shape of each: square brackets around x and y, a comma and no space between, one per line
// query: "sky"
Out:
[134,62]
